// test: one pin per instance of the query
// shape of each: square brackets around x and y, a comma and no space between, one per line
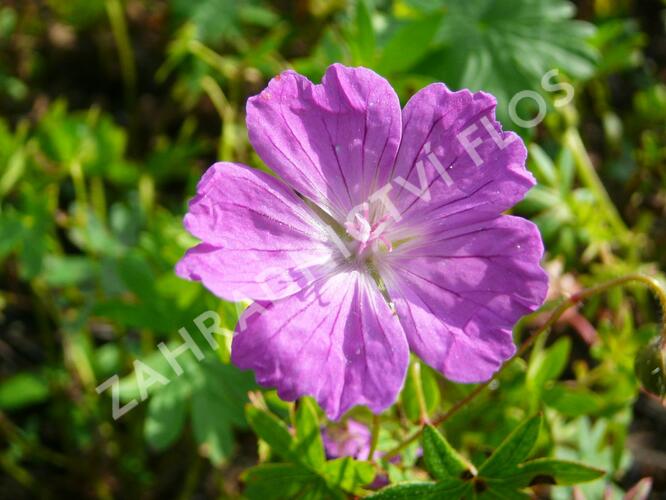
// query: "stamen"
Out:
[376,226]
[364,228]
[366,233]
[387,242]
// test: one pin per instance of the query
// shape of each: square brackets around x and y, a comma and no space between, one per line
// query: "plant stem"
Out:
[376,424]
[226,114]
[590,178]
[114,10]
[223,65]
[565,304]
[418,385]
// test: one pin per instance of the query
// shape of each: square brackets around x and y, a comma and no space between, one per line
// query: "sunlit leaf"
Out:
[442,460]
[420,377]
[271,429]
[347,474]
[308,434]
[506,47]
[408,44]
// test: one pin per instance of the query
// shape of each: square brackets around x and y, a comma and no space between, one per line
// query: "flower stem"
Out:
[418,385]
[376,424]
[565,304]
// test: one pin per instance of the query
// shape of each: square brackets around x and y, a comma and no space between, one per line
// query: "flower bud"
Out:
[650,366]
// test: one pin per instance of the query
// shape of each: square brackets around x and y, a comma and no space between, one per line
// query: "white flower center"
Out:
[366,233]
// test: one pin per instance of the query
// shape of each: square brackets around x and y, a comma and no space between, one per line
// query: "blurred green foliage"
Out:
[110,110]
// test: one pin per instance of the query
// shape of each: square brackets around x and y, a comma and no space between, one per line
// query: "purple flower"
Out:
[353,440]
[383,234]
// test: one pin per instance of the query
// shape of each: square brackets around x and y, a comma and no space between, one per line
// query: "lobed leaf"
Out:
[514,449]
[347,474]
[408,44]
[272,430]
[309,444]
[406,491]
[294,481]
[552,471]
[166,414]
[442,461]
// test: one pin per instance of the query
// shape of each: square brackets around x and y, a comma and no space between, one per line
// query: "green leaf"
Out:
[502,492]
[136,274]
[13,172]
[258,16]
[566,169]
[500,477]
[293,480]
[220,20]
[329,478]
[541,198]
[572,401]
[543,166]
[129,387]
[229,385]
[166,415]
[347,474]
[78,13]
[406,491]
[272,430]
[8,20]
[442,461]
[10,233]
[33,251]
[309,442]
[506,47]
[514,449]
[546,365]
[23,389]
[319,490]
[419,375]
[217,405]
[215,393]
[211,425]
[62,271]
[365,34]
[552,471]
[408,44]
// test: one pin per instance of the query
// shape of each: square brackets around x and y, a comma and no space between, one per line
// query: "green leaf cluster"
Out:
[505,474]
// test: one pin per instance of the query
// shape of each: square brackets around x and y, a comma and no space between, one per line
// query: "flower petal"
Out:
[459,295]
[237,275]
[336,341]
[354,440]
[455,159]
[260,241]
[334,142]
